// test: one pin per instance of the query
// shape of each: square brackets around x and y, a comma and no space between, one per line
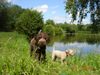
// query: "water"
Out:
[81,44]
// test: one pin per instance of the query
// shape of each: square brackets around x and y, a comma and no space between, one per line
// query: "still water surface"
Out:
[83,44]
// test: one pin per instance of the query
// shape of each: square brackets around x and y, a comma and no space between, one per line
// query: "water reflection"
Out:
[83,44]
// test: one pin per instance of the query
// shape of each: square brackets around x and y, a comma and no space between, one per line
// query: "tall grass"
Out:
[15,60]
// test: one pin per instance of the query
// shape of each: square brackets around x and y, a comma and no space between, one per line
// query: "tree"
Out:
[29,22]
[3,15]
[13,13]
[8,15]
[82,8]
[49,22]
[49,29]
[58,30]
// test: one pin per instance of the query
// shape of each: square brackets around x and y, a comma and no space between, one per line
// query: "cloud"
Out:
[42,8]
[9,0]
[53,12]
[59,19]
[68,18]
[55,7]
[86,21]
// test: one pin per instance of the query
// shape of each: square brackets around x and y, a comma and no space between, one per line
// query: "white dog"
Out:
[61,54]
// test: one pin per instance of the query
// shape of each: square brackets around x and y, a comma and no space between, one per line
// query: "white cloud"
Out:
[62,19]
[59,19]
[86,21]
[9,0]
[42,8]
[53,12]
[55,7]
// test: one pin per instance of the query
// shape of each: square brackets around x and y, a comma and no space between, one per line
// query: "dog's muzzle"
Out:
[38,48]
[42,42]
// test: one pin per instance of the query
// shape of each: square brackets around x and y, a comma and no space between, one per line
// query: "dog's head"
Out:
[70,52]
[42,38]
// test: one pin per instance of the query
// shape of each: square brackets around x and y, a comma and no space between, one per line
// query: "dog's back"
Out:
[58,53]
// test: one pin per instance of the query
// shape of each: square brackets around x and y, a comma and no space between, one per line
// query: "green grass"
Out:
[15,60]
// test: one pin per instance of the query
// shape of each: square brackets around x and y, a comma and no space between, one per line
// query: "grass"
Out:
[15,60]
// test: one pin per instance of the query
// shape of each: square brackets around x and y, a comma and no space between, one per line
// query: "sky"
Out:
[51,9]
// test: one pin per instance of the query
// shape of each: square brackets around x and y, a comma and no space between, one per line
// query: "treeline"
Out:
[29,22]
[15,18]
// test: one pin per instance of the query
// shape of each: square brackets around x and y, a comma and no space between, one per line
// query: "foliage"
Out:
[13,13]
[49,22]
[13,17]
[24,20]
[8,15]
[68,28]
[3,15]
[81,8]
[59,30]
[82,27]
[49,29]
[15,60]
[29,22]
[53,30]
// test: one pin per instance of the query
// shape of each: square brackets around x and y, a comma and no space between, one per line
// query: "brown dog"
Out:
[38,46]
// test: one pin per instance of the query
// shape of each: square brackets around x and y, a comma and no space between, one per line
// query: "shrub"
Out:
[29,22]
[49,29]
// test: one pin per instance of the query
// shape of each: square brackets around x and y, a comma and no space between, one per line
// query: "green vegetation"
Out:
[15,60]
[81,8]
[29,22]
[16,18]
[53,30]
[14,47]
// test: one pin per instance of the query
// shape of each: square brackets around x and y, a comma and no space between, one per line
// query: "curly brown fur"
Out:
[38,46]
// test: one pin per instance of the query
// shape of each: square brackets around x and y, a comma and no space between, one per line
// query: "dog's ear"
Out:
[38,36]
[71,52]
[66,50]
[46,37]
[67,53]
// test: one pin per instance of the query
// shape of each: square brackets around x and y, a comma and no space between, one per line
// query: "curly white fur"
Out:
[61,54]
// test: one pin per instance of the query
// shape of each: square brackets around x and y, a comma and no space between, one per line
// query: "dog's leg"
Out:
[37,55]
[32,46]
[62,61]
[31,50]
[53,57]
[43,53]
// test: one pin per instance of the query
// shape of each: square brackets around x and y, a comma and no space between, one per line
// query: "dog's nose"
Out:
[38,47]
[42,41]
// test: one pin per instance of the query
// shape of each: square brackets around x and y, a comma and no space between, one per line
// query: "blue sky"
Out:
[51,9]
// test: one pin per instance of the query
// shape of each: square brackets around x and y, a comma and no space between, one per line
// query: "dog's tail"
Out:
[40,31]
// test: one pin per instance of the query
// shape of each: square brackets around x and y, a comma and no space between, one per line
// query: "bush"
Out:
[53,30]
[58,31]
[49,29]
[29,22]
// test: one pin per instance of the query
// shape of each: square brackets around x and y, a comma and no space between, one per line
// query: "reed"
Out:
[15,60]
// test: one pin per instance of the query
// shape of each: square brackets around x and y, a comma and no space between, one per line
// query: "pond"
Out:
[81,43]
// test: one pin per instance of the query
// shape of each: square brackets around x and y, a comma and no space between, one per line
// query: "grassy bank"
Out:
[15,60]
